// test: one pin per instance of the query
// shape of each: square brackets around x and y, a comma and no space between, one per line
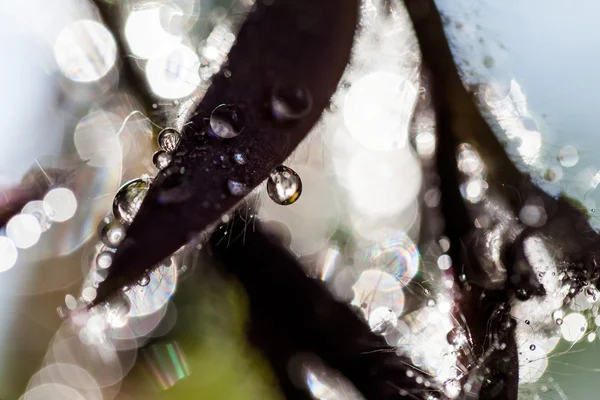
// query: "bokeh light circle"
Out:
[155,295]
[96,140]
[174,75]
[573,327]
[8,254]
[378,108]
[60,204]
[36,208]
[85,51]
[378,289]
[568,156]
[69,375]
[24,230]
[52,391]
[398,256]
[146,35]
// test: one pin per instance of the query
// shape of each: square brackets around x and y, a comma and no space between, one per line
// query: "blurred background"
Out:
[87,88]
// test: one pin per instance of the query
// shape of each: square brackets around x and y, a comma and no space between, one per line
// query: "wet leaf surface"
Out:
[306,43]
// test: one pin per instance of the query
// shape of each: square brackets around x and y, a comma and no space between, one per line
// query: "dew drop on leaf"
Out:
[240,158]
[161,159]
[104,259]
[284,185]
[226,121]
[289,102]
[237,188]
[128,200]
[111,233]
[168,139]
[144,280]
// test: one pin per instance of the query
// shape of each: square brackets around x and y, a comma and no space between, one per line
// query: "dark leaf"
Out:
[287,43]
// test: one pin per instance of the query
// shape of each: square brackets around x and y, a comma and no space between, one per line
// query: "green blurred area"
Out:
[209,331]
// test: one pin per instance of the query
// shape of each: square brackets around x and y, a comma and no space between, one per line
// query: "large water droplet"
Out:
[284,186]
[226,121]
[290,102]
[168,139]
[161,159]
[532,347]
[129,199]
[237,188]
[111,233]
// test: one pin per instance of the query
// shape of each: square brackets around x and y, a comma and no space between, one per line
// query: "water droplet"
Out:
[284,186]
[523,294]
[129,199]
[237,188]
[532,347]
[456,336]
[161,159]
[144,280]
[36,208]
[431,302]
[527,322]
[168,139]
[111,233]
[104,259]
[240,158]
[290,102]
[226,121]
[559,321]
